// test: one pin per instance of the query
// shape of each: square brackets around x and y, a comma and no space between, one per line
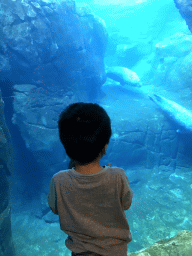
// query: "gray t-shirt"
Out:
[90,209]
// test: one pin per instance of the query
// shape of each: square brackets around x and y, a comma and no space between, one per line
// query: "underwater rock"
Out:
[48,44]
[51,218]
[35,112]
[171,64]
[4,64]
[177,45]
[181,244]
[180,78]
[6,245]
[142,135]
[128,54]
[185,11]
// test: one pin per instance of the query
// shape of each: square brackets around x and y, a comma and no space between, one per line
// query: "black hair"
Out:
[84,130]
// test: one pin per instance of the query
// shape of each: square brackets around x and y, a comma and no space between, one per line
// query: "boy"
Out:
[89,199]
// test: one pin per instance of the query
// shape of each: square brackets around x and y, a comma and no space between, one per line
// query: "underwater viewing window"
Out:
[134,59]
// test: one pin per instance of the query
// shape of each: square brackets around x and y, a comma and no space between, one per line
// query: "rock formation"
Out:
[180,244]
[6,245]
[52,45]
[55,51]
[185,9]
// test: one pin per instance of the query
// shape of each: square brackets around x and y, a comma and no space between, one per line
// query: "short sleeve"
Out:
[126,191]
[52,196]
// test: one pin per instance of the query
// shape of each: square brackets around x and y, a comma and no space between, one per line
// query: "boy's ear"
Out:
[105,149]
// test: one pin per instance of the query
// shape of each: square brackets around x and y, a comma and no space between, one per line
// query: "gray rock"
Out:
[50,217]
[171,58]
[31,13]
[53,36]
[4,63]
[177,45]
[177,245]
[36,5]
[36,113]
[130,54]
[48,1]
[181,75]
[185,11]
[6,245]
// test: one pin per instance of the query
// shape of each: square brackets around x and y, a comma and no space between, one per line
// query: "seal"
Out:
[124,75]
[181,115]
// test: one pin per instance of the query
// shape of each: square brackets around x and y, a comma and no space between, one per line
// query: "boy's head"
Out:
[84,130]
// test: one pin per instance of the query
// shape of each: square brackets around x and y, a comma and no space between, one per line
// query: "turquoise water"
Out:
[162,197]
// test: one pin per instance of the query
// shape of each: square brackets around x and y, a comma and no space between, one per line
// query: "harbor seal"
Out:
[124,75]
[181,115]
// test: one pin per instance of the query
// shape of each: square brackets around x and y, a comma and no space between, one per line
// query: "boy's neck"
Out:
[89,168]
[92,167]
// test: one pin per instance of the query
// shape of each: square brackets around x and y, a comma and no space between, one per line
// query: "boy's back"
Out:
[91,210]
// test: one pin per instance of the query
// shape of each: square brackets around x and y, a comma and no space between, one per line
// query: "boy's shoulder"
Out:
[59,174]
[63,174]
[106,169]
[118,171]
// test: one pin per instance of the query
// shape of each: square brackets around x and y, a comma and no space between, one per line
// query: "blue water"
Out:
[161,204]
